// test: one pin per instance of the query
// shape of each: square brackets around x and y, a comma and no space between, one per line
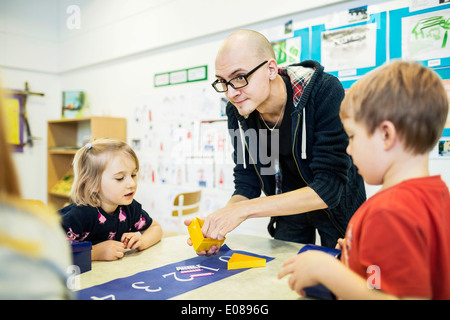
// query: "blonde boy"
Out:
[397,244]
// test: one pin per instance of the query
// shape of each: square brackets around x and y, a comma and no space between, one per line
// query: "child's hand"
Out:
[131,240]
[340,244]
[108,250]
[304,269]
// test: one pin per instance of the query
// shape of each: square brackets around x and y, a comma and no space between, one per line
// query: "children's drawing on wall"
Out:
[200,172]
[204,103]
[287,51]
[425,36]
[181,138]
[444,147]
[358,14]
[224,176]
[215,140]
[141,131]
[349,48]
[147,169]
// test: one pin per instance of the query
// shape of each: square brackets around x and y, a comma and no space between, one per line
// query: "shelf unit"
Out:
[65,137]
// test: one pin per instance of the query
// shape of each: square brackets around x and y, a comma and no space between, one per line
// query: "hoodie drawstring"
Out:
[304,135]
[243,144]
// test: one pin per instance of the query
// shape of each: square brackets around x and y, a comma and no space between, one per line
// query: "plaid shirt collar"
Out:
[299,77]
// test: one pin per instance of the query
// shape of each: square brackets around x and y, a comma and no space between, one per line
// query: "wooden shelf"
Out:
[65,137]
[58,194]
[62,151]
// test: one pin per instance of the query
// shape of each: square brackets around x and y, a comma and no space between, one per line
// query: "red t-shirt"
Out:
[403,235]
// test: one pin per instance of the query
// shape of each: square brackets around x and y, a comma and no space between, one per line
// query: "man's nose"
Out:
[232,92]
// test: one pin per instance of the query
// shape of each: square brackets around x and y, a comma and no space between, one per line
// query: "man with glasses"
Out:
[310,182]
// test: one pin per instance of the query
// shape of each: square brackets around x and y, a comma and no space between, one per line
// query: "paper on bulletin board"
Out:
[420,35]
[287,51]
[349,48]
[442,149]
[12,122]
[425,36]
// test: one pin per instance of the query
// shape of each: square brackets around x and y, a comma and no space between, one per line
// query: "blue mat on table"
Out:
[166,282]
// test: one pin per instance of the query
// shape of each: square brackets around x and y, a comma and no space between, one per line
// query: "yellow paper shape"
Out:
[199,242]
[242,261]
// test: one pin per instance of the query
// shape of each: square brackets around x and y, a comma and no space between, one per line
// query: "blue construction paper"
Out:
[166,282]
[320,291]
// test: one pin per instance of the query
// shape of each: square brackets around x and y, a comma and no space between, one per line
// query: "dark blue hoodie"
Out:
[318,148]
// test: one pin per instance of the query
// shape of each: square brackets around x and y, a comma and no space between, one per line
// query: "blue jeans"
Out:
[302,227]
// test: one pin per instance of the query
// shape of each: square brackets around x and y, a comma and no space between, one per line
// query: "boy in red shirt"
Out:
[397,244]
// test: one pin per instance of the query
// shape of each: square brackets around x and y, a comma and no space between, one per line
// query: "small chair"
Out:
[185,203]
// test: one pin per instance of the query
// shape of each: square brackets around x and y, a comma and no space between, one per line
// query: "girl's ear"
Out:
[388,134]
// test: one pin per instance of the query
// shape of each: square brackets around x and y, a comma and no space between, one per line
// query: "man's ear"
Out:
[273,69]
[388,134]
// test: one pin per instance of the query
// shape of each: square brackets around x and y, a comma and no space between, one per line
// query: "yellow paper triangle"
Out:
[241,261]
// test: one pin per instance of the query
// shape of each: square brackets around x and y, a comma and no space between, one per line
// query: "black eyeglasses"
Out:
[241,81]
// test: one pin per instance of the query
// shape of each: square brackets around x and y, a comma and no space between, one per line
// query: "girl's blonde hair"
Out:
[88,166]
[409,95]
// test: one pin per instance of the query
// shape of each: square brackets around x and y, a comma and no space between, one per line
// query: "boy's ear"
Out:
[388,134]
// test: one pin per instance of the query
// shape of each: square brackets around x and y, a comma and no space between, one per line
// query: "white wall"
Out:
[32,163]
[115,28]
[116,52]
[29,52]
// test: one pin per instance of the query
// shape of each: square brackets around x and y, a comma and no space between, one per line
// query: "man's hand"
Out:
[213,250]
[219,223]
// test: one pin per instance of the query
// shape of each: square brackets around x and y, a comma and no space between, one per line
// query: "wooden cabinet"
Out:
[64,138]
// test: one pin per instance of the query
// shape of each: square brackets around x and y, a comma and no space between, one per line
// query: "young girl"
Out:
[103,209]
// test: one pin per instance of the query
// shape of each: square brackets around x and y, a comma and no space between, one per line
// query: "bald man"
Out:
[288,143]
